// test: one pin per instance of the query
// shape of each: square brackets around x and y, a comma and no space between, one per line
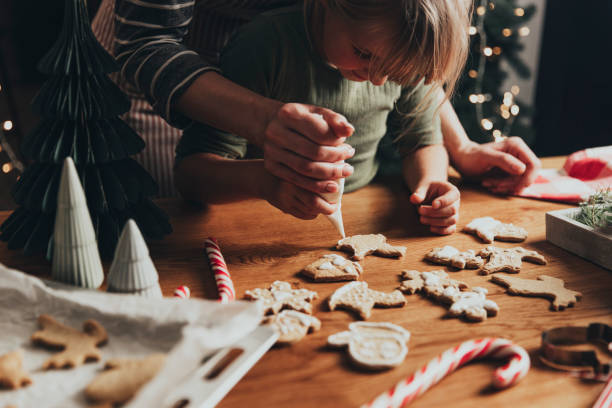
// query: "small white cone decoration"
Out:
[132,270]
[76,259]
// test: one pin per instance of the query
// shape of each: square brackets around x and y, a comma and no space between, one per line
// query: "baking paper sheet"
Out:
[136,327]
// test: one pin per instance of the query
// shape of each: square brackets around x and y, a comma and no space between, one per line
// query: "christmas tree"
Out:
[486,109]
[80,107]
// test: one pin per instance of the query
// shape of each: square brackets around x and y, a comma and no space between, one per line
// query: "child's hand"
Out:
[438,206]
[296,201]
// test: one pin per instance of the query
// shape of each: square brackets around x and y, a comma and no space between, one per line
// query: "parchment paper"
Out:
[136,327]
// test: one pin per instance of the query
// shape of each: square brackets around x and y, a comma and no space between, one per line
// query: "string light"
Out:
[524,31]
[519,12]
[7,125]
[5,147]
[7,167]
[506,32]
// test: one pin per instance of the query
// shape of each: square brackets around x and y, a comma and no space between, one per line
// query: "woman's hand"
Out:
[518,164]
[438,203]
[304,145]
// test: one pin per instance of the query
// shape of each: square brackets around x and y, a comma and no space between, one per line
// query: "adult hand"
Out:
[438,203]
[304,145]
[518,164]
[296,201]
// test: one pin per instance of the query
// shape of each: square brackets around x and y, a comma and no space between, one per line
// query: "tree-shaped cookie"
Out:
[508,259]
[122,378]
[292,326]
[77,347]
[374,346]
[332,268]
[545,286]
[451,256]
[359,246]
[280,296]
[356,296]
[12,374]
[489,229]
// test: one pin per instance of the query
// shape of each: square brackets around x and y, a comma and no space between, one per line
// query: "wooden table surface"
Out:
[260,245]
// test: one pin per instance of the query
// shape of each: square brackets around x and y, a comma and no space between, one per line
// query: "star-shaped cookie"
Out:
[333,268]
[358,297]
[508,259]
[280,295]
[361,246]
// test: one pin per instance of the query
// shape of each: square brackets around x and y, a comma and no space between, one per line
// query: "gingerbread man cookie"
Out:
[375,346]
[431,283]
[362,245]
[280,295]
[545,286]
[78,347]
[122,378]
[508,259]
[358,297]
[333,268]
[12,374]
[451,256]
[292,326]
[489,229]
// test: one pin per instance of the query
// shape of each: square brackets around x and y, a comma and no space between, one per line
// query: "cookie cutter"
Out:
[583,363]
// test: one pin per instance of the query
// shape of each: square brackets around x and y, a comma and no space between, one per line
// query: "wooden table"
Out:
[261,245]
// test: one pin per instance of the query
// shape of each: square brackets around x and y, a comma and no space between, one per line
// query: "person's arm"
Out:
[425,173]
[212,179]
[471,159]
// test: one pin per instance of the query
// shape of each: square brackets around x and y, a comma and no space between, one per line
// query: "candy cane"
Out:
[182,292]
[406,391]
[605,399]
[225,286]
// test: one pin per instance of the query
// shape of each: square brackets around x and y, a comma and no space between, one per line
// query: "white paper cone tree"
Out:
[76,259]
[132,270]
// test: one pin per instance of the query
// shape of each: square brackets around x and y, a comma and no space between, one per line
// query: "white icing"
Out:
[431,279]
[336,217]
[336,259]
[326,266]
[474,300]
[281,295]
[447,252]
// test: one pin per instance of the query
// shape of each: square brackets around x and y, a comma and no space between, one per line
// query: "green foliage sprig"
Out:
[596,211]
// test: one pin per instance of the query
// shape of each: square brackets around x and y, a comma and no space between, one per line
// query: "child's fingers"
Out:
[429,211]
[443,230]
[446,199]
[439,222]
[419,194]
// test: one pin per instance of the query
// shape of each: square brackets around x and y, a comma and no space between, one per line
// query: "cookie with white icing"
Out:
[360,246]
[292,326]
[430,283]
[489,229]
[374,346]
[280,295]
[333,268]
[508,259]
[451,256]
[356,296]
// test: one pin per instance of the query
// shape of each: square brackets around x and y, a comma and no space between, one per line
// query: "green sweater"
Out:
[272,56]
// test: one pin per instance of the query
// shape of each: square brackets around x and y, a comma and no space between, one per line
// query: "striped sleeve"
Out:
[149,46]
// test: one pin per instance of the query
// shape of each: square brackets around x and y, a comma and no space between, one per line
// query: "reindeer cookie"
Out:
[292,326]
[361,246]
[78,347]
[12,374]
[508,259]
[451,256]
[280,295]
[356,296]
[333,268]
[545,286]
[375,346]
[489,229]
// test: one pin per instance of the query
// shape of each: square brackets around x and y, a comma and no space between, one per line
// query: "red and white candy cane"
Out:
[605,399]
[182,292]
[407,390]
[225,286]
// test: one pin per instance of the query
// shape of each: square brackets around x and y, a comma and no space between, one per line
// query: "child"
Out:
[367,60]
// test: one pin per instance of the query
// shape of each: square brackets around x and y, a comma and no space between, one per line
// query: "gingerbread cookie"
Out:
[451,256]
[473,304]
[78,347]
[280,295]
[358,297]
[508,259]
[292,326]
[489,229]
[431,283]
[333,268]
[362,245]
[375,346]
[12,374]
[545,286]
[122,378]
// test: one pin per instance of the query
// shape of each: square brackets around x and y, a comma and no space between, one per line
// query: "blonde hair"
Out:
[428,39]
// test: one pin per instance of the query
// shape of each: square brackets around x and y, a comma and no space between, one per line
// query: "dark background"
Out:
[573,105]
